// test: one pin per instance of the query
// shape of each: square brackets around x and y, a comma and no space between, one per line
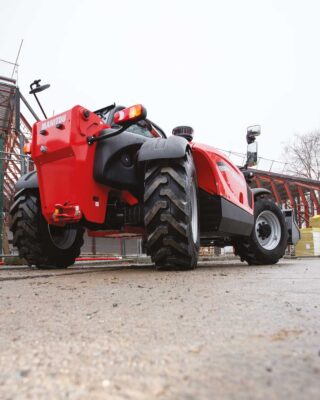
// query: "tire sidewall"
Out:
[50,246]
[192,181]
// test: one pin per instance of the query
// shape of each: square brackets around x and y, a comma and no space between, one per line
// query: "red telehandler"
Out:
[116,174]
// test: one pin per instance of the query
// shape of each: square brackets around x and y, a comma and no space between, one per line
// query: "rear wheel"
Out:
[171,213]
[41,244]
[269,237]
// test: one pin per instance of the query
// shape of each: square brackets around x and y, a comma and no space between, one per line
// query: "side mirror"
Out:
[252,132]
[184,131]
[252,154]
[36,87]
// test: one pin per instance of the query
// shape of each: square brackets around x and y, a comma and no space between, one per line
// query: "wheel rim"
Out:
[194,213]
[62,237]
[268,230]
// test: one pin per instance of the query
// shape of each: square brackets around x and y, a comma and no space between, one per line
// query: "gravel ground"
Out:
[223,331]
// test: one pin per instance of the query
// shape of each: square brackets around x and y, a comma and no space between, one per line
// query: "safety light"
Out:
[130,115]
[57,211]
[27,148]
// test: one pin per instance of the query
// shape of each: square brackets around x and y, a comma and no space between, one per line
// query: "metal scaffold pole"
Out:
[17,128]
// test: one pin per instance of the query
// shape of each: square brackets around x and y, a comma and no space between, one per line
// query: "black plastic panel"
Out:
[28,181]
[219,217]
[109,166]
[173,147]
[258,191]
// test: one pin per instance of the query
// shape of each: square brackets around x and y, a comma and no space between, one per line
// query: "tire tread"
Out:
[166,214]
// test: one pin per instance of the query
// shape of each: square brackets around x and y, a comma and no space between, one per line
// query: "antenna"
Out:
[15,64]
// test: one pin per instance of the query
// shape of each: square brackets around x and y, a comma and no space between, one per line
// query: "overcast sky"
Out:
[218,66]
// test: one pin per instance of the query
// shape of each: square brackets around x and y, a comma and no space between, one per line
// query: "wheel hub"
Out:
[268,230]
[264,230]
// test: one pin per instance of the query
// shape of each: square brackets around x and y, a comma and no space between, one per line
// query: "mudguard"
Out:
[109,168]
[259,191]
[28,181]
[157,149]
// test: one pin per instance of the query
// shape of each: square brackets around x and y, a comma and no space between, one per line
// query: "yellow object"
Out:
[135,111]
[315,221]
[27,148]
[309,244]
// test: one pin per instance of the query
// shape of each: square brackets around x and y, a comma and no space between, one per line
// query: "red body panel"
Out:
[64,164]
[217,175]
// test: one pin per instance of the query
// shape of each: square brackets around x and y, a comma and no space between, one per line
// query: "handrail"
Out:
[11,80]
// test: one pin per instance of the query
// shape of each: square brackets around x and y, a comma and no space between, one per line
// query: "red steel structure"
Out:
[302,194]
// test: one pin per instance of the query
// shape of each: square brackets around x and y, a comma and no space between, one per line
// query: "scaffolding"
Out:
[15,130]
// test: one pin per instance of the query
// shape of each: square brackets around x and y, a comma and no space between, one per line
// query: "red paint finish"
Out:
[274,190]
[288,191]
[257,181]
[315,201]
[64,163]
[128,198]
[219,176]
[305,206]
[299,212]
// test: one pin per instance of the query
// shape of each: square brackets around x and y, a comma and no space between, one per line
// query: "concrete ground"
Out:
[223,331]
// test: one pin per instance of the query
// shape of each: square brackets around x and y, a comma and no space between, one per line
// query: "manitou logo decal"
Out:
[60,119]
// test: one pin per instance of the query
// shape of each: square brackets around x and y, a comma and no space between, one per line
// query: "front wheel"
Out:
[41,244]
[269,237]
[171,213]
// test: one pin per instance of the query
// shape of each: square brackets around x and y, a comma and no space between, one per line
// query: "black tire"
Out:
[169,187]
[251,250]
[38,243]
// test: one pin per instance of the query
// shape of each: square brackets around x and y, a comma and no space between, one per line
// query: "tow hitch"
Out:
[66,213]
